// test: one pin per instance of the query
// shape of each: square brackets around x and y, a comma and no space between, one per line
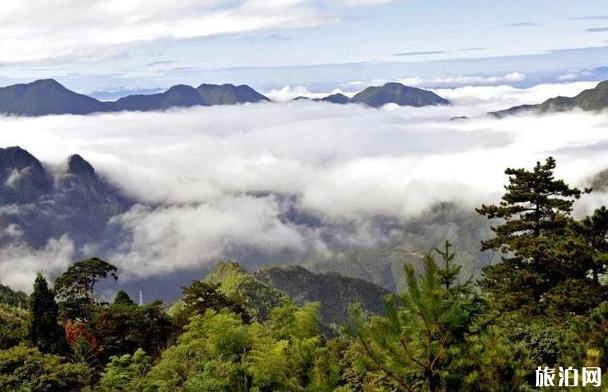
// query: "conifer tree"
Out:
[45,332]
[535,237]
[410,348]
[449,272]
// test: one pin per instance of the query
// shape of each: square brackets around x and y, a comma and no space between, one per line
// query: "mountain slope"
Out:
[46,96]
[40,205]
[399,94]
[336,293]
[260,291]
[595,99]
[236,283]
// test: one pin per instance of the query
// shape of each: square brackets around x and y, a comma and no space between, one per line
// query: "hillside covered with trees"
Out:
[542,302]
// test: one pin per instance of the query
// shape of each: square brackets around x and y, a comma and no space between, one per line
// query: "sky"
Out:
[109,46]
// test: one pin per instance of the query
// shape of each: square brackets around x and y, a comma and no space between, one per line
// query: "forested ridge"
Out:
[543,302]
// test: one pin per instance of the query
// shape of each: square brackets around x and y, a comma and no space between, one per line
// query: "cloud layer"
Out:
[286,180]
[71,30]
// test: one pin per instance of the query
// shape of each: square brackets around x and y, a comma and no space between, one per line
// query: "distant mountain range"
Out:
[595,99]
[47,96]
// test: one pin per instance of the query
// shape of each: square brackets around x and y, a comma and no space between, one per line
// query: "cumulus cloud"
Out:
[298,178]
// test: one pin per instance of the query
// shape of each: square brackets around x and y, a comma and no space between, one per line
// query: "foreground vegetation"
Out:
[545,303]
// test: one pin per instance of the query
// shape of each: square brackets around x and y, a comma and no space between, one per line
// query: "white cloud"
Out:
[189,235]
[466,80]
[20,263]
[222,174]
[39,31]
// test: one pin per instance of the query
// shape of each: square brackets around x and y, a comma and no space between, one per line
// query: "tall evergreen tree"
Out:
[45,332]
[543,258]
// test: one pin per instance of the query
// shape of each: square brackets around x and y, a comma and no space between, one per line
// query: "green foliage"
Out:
[14,326]
[237,284]
[122,298]
[75,287]
[13,298]
[126,372]
[123,328]
[27,369]
[45,331]
[488,362]
[218,352]
[201,296]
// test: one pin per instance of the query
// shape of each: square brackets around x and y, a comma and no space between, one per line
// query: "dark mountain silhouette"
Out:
[177,96]
[40,205]
[48,96]
[399,94]
[338,98]
[44,97]
[228,94]
[595,99]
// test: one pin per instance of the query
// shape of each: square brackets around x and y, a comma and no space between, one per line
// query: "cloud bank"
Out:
[282,181]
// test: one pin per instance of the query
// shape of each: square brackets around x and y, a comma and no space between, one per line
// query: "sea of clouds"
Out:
[287,180]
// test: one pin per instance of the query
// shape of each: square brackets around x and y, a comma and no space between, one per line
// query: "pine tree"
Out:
[540,249]
[45,332]
[449,272]
[411,346]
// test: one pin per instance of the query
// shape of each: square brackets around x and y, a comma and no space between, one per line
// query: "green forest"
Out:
[542,303]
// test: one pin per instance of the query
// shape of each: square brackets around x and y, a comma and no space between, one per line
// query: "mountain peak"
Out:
[397,93]
[46,83]
[336,98]
[17,157]
[78,165]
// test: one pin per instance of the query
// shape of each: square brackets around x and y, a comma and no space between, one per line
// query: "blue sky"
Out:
[149,44]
